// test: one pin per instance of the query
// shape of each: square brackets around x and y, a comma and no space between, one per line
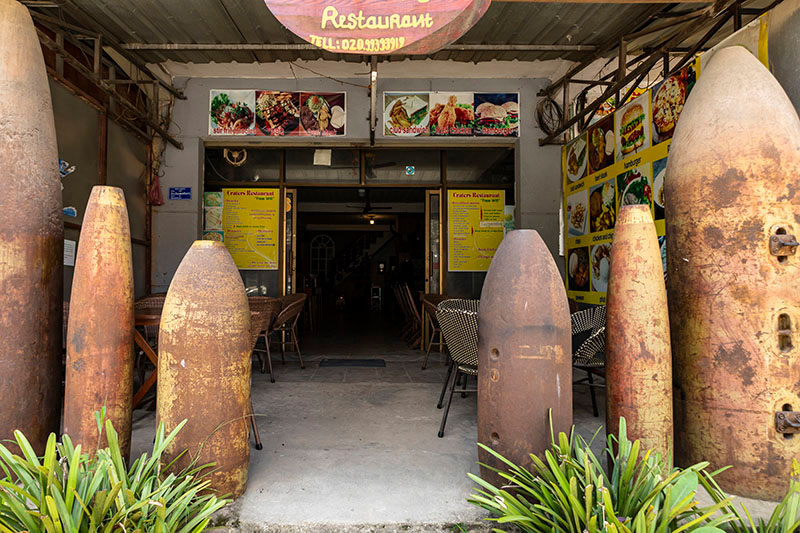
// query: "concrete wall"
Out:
[78,135]
[177,223]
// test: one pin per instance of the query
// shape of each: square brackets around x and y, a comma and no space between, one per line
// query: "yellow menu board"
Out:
[474,228]
[619,160]
[250,223]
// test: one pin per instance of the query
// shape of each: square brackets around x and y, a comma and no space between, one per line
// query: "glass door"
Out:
[433,241]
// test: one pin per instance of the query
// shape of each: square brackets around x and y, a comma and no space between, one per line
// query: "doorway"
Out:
[354,245]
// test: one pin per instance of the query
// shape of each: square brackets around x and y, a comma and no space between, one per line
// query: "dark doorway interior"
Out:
[353,245]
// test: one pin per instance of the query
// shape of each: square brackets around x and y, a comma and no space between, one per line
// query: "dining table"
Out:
[149,318]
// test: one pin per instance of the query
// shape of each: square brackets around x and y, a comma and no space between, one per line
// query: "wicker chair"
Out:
[429,305]
[270,307]
[588,345]
[459,323]
[259,322]
[286,324]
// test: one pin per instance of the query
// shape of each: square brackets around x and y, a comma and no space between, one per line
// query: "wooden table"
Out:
[145,320]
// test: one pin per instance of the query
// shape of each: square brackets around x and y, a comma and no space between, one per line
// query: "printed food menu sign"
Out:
[250,226]
[620,160]
[276,113]
[452,114]
[475,228]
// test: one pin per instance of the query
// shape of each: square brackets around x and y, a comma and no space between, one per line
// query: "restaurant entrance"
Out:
[360,231]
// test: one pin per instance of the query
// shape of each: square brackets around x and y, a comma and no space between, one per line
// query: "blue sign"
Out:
[180,193]
[410,170]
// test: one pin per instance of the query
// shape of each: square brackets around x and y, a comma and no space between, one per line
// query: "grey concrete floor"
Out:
[356,449]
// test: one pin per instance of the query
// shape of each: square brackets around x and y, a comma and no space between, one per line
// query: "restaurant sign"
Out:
[379,27]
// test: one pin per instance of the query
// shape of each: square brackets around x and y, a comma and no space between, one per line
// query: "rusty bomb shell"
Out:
[31,237]
[100,328]
[204,365]
[638,355]
[732,226]
[524,352]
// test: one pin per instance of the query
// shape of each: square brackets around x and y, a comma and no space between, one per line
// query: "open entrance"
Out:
[355,246]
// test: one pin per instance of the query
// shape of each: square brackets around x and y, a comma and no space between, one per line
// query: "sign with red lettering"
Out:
[378,26]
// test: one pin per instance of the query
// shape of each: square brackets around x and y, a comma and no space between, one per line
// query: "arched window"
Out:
[322,251]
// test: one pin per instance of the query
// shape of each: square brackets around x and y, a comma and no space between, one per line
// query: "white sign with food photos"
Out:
[452,114]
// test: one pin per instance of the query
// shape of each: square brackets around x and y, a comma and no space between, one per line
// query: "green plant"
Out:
[67,491]
[785,517]
[569,491]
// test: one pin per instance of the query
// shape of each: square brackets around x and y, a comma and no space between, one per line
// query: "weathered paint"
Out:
[638,356]
[731,184]
[100,329]
[31,237]
[524,355]
[204,365]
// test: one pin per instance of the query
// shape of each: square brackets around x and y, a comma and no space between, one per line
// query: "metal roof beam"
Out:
[302,47]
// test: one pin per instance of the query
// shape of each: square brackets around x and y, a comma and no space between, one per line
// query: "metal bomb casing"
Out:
[524,352]
[204,365]
[733,219]
[100,328]
[638,355]
[31,237]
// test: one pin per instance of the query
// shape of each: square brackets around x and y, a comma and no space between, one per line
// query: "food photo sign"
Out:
[385,27]
[619,160]
[450,114]
[276,113]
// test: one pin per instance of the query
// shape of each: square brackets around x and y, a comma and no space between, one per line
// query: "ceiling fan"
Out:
[367,207]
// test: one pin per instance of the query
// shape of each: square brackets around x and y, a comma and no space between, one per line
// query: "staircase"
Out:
[363,249]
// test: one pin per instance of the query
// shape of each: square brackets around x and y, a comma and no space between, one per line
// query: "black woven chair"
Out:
[458,320]
[588,345]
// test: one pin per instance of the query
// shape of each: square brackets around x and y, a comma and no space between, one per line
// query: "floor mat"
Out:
[371,363]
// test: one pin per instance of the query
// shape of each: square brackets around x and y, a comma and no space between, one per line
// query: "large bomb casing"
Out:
[732,197]
[100,328]
[31,237]
[524,353]
[204,365]
[638,356]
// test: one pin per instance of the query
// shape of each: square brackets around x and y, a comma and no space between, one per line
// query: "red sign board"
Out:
[379,27]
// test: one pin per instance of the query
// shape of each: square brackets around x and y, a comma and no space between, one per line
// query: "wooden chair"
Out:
[259,322]
[459,323]
[152,304]
[413,334]
[270,307]
[588,346]
[429,305]
[286,324]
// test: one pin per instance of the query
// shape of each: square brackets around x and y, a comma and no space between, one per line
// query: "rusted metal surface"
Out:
[638,356]
[204,365]
[31,237]
[100,329]
[524,353]
[731,184]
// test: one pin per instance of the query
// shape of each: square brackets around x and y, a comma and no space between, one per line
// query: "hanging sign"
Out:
[250,227]
[475,228]
[385,27]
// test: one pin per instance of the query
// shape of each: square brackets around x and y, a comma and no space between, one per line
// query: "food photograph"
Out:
[578,269]
[602,207]
[668,100]
[496,114]
[218,236]
[231,112]
[633,131]
[659,173]
[322,114]
[601,257]
[634,186]
[451,114]
[576,158]
[577,213]
[277,113]
[601,141]
[406,115]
